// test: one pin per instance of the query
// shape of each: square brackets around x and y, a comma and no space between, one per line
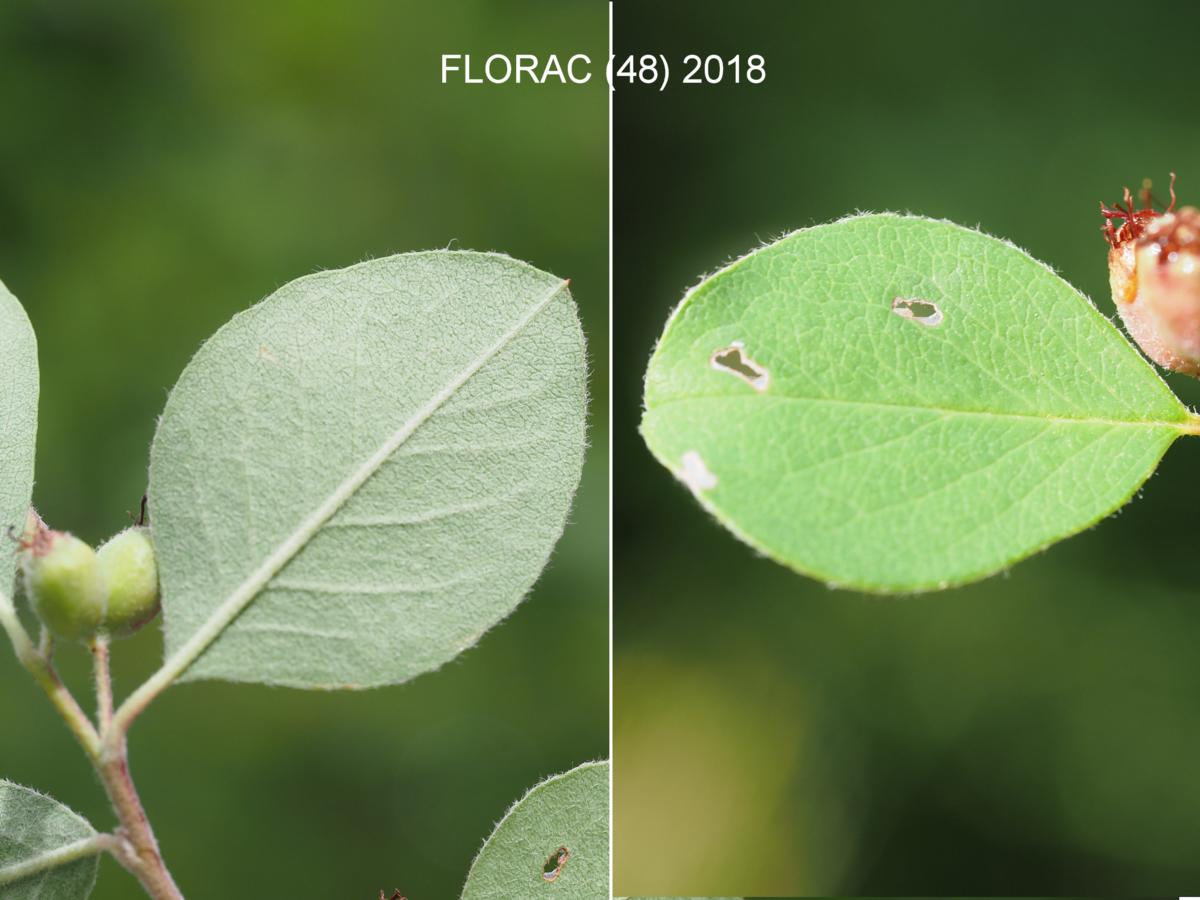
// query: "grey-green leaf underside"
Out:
[897,404]
[568,811]
[35,831]
[355,479]
[18,428]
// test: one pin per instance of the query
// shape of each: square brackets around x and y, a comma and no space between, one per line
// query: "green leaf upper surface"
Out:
[34,829]
[566,811]
[356,478]
[900,453]
[18,428]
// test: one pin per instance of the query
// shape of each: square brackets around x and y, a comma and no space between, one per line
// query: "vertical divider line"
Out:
[612,334]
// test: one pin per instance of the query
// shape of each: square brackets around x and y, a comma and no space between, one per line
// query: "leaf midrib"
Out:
[1190,425]
[43,862]
[250,587]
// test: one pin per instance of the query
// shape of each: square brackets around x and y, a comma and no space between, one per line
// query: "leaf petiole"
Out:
[104,695]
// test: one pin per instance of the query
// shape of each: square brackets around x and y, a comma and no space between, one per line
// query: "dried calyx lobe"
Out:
[1154,271]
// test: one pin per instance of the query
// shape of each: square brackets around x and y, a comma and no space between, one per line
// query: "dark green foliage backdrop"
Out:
[1035,734]
[163,166]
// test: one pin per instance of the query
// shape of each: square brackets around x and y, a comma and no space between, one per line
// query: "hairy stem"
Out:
[38,664]
[139,853]
[134,844]
[104,695]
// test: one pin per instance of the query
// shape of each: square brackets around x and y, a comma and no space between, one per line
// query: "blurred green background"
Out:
[163,166]
[1038,733]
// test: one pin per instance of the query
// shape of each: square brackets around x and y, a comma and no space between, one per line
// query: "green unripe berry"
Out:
[63,582]
[130,572]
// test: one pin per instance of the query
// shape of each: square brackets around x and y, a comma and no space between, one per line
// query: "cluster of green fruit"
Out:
[79,592]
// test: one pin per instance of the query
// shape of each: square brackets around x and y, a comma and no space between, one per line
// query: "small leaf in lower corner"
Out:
[553,842]
[42,848]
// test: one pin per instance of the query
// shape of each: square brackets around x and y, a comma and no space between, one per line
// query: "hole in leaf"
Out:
[733,359]
[695,474]
[922,312]
[554,863]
